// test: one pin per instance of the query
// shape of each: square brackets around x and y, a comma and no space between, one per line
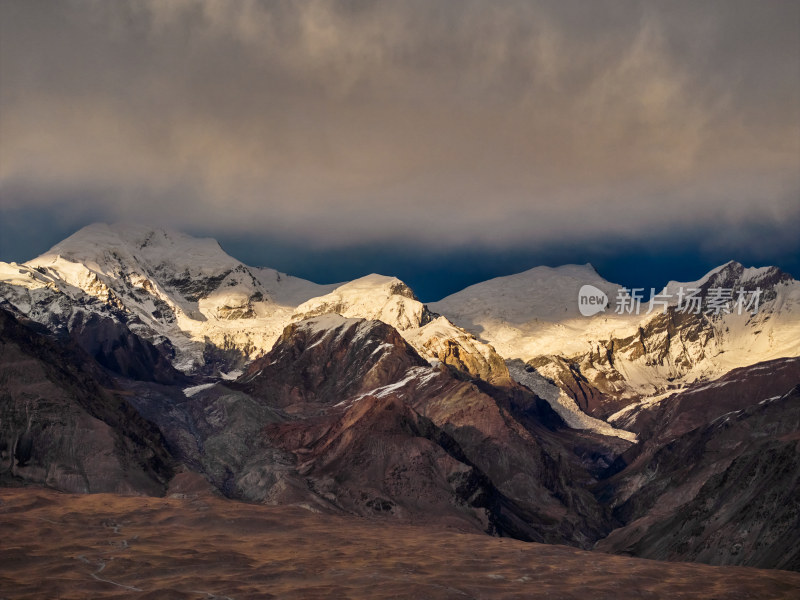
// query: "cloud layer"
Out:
[503,123]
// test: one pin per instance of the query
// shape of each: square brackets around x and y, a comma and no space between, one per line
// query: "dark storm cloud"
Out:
[502,123]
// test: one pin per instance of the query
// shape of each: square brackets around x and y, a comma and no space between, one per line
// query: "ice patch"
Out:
[562,404]
[191,391]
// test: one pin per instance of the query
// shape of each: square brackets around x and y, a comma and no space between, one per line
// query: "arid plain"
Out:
[56,545]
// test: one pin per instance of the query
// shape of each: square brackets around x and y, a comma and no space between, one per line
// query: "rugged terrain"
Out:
[60,426]
[612,360]
[146,362]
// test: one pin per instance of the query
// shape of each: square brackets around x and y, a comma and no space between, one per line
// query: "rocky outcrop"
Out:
[113,345]
[442,341]
[321,361]
[734,275]
[616,373]
[381,458]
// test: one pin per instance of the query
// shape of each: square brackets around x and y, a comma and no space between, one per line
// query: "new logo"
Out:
[591,300]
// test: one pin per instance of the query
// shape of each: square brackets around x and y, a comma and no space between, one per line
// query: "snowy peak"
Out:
[157,274]
[149,244]
[734,275]
[387,299]
[210,314]
[194,273]
[194,267]
[534,316]
[213,310]
[376,297]
[547,294]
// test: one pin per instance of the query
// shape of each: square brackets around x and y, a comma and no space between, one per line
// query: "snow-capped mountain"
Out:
[611,359]
[534,312]
[390,300]
[436,338]
[180,293]
[357,398]
[208,312]
[374,297]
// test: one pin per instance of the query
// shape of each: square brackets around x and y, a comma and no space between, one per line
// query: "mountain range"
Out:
[136,360]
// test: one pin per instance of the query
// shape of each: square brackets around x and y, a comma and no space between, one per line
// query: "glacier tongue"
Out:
[560,402]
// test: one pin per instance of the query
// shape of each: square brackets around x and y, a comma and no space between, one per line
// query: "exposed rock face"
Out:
[381,458]
[442,341]
[61,428]
[520,444]
[114,346]
[701,403]
[605,380]
[716,479]
[365,419]
[734,275]
[324,360]
[102,330]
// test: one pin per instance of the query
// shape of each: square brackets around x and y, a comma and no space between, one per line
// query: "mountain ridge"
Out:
[210,315]
[364,400]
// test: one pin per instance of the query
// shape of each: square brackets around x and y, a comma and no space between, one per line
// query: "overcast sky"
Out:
[328,138]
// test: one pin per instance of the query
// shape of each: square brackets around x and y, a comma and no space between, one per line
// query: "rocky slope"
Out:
[662,419]
[721,493]
[60,425]
[344,415]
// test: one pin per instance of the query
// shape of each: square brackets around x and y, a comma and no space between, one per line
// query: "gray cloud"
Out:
[432,122]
